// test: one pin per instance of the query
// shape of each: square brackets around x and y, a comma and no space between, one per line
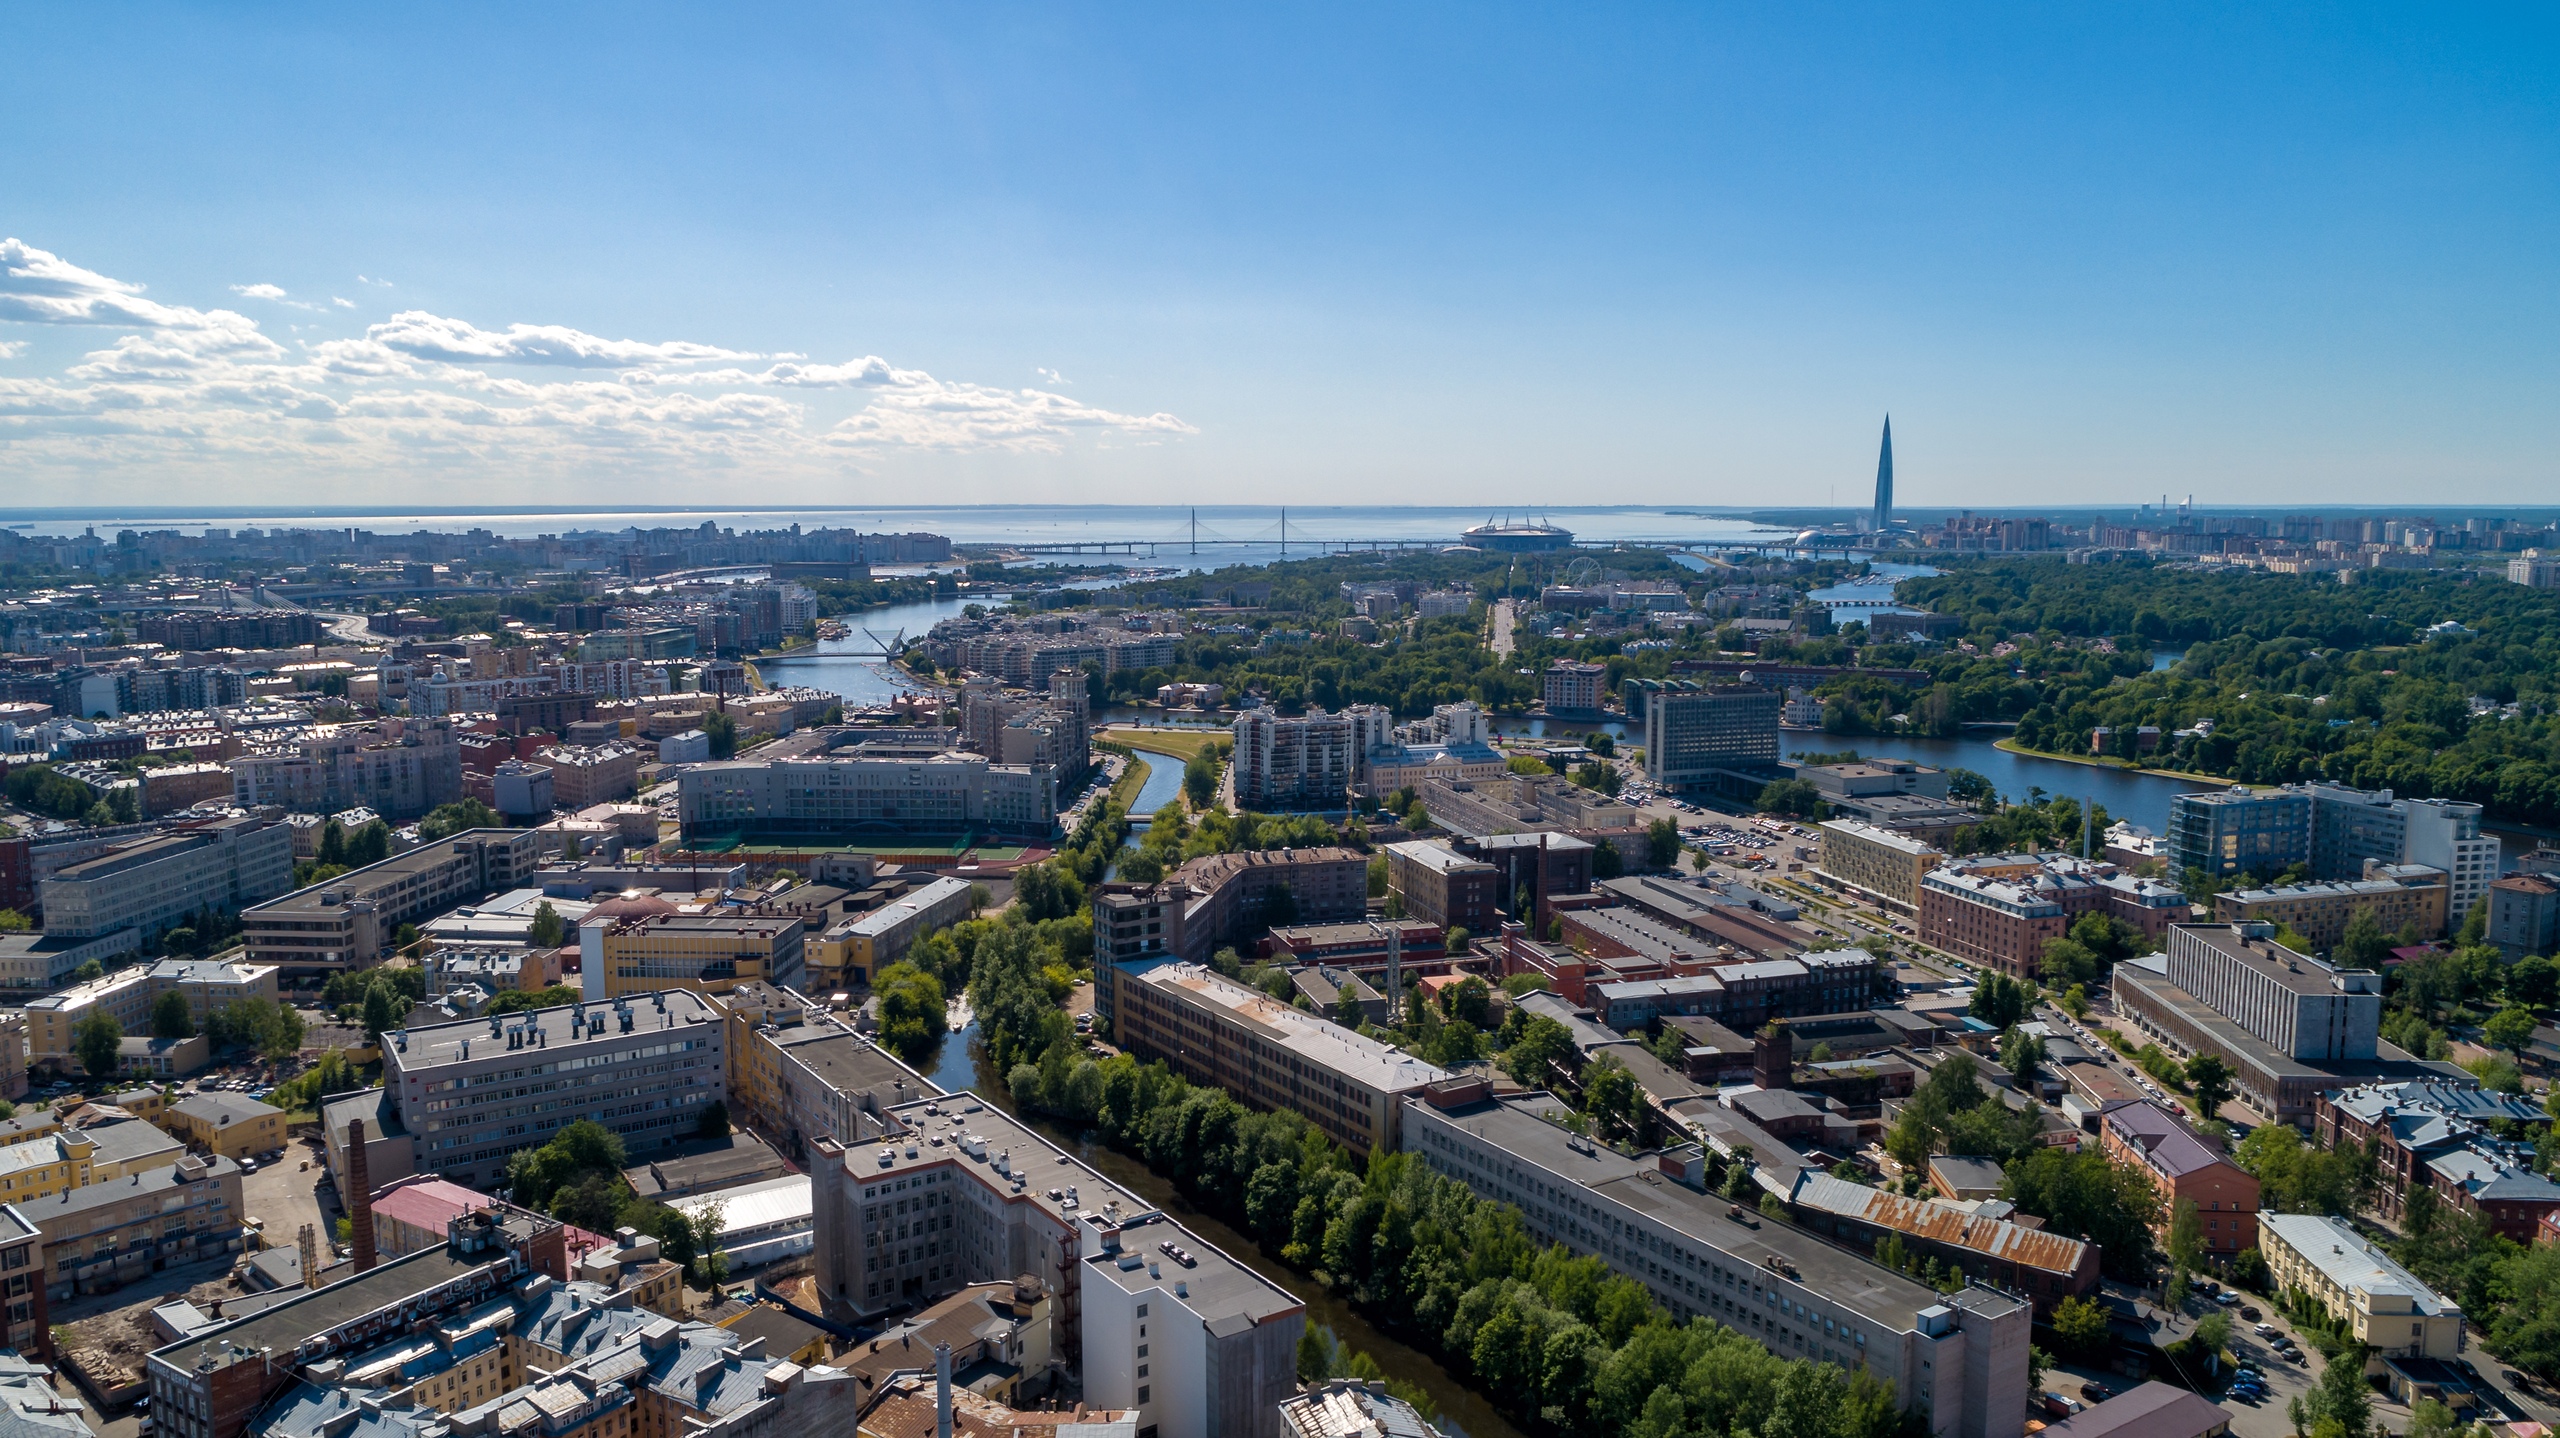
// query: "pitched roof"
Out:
[1942,1223]
[2166,1144]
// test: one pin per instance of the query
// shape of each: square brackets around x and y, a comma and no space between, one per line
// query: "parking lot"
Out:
[283,1195]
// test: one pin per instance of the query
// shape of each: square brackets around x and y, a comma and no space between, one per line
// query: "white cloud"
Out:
[434,393]
[38,287]
[342,302]
[1052,376]
[434,337]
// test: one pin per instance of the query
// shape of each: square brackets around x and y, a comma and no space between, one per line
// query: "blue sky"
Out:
[1679,254]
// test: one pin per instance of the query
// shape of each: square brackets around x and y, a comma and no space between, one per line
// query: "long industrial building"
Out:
[347,922]
[152,884]
[1214,1030]
[936,792]
[1961,1358]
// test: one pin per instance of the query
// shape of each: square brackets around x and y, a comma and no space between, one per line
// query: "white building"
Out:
[948,792]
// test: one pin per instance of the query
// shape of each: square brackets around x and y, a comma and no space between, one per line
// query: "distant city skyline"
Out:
[1065,255]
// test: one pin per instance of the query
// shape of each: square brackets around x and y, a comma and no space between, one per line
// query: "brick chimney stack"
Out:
[360,1201]
[1773,1057]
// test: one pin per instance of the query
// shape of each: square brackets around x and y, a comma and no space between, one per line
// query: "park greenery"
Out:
[576,1177]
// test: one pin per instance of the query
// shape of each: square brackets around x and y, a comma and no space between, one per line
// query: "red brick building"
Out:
[2183,1167]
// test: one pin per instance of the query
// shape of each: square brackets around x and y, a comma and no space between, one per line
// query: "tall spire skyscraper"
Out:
[1884,480]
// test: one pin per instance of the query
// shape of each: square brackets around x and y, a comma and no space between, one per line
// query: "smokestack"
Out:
[1773,1057]
[360,1202]
[942,1390]
[310,1256]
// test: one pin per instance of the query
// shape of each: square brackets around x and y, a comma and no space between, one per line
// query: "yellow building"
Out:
[124,996]
[143,1102]
[232,1125]
[1876,861]
[42,1167]
[2392,1312]
[2399,896]
[708,954]
[755,1065]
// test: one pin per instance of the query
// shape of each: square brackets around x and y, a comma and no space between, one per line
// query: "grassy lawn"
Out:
[1181,742]
[1124,791]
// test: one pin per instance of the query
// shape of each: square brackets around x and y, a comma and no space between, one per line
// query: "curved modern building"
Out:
[1523,537]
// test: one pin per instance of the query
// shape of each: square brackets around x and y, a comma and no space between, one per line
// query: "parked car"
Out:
[2265,1330]
[2095,1391]
[2249,1311]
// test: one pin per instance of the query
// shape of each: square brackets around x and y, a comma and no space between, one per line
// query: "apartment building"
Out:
[2239,830]
[399,768]
[1876,862]
[1214,1030]
[2524,915]
[209,984]
[1295,762]
[816,1080]
[1438,885]
[906,793]
[471,1094]
[156,883]
[2351,827]
[25,1307]
[2398,896]
[1572,687]
[1711,738]
[1960,1358]
[625,956]
[348,921]
[2303,1008]
[2002,924]
[2385,1306]
[2183,1168]
[1221,899]
[2444,1136]
[124,996]
[98,1238]
[1154,1317]
[583,776]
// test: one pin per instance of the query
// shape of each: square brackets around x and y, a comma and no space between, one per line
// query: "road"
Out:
[1505,618]
[348,628]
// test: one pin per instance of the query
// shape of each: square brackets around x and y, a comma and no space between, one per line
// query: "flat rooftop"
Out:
[1329,1045]
[424,859]
[286,1325]
[850,1063]
[1514,1126]
[2270,960]
[553,1028]
[1221,1287]
[1435,856]
[2344,1258]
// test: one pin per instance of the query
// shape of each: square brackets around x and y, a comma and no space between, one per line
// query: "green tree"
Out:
[722,731]
[2511,1028]
[2212,1080]
[2186,1243]
[1542,1054]
[1662,844]
[2081,1325]
[548,928]
[2341,1396]
[447,820]
[2022,1055]
[2364,945]
[911,1011]
[171,1017]
[2068,963]
[89,971]
[714,1122]
[1999,1000]
[1605,860]
[96,1041]
[577,1151]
